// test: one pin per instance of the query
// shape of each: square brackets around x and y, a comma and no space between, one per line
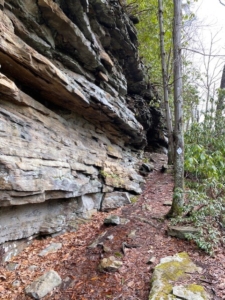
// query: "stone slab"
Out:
[43,285]
[181,231]
[115,200]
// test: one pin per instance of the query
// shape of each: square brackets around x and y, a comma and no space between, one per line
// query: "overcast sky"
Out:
[211,17]
[210,22]
[212,11]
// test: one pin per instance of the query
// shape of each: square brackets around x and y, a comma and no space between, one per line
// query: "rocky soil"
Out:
[138,243]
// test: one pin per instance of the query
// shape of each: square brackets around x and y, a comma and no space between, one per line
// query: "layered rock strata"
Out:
[69,135]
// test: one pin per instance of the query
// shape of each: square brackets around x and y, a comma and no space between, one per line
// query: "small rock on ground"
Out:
[110,264]
[50,249]
[181,231]
[113,220]
[43,285]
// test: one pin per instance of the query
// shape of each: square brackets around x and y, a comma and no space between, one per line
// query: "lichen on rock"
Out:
[168,272]
[190,292]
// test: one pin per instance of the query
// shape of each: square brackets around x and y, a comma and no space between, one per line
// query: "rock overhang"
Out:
[66,128]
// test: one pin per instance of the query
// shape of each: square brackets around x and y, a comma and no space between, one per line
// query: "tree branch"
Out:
[204,54]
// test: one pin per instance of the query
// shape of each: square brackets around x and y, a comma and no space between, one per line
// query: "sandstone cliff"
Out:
[73,112]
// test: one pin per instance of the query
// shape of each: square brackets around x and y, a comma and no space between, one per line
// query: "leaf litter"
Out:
[77,263]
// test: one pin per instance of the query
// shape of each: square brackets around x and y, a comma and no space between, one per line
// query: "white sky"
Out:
[211,10]
[210,15]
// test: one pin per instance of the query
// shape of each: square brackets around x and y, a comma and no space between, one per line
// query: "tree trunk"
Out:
[220,103]
[178,195]
[165,85]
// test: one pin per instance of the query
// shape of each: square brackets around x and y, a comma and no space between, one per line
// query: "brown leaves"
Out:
[77,263]
[2,277]
[2,289]
[94,278]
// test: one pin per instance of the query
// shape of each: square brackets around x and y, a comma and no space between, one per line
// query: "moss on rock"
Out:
[190,292]
[170,270]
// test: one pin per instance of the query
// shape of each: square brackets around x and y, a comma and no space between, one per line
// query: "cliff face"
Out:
[73,112]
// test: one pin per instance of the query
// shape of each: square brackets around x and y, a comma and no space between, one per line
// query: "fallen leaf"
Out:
[130,284]
[1,288]
[94,278]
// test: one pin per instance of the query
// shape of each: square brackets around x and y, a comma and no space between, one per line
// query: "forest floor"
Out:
[146,232]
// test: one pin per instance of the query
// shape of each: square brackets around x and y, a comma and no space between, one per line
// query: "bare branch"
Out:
[221,2]
[204,54]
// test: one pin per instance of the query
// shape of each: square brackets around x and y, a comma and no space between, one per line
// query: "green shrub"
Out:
[205,183]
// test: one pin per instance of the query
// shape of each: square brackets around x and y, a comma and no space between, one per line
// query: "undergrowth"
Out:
[205,185]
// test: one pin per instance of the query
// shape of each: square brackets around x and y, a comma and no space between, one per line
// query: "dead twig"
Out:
[206,281]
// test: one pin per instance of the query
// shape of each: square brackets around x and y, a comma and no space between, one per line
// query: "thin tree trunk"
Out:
[165,85]
[220,103]
[208,88]
[178,195]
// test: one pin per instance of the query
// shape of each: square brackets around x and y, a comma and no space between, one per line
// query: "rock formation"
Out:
[73,112]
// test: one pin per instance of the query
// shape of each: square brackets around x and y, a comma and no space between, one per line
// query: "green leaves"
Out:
[205,179]
[148,34]
[205,150]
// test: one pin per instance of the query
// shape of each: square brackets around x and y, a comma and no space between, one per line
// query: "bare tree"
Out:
[202,46]
[211,65]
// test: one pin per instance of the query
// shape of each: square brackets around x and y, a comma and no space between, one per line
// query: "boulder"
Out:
[115,200]
[170,270]
[43,285]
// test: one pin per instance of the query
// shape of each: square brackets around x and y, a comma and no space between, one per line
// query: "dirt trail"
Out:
[77,263]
